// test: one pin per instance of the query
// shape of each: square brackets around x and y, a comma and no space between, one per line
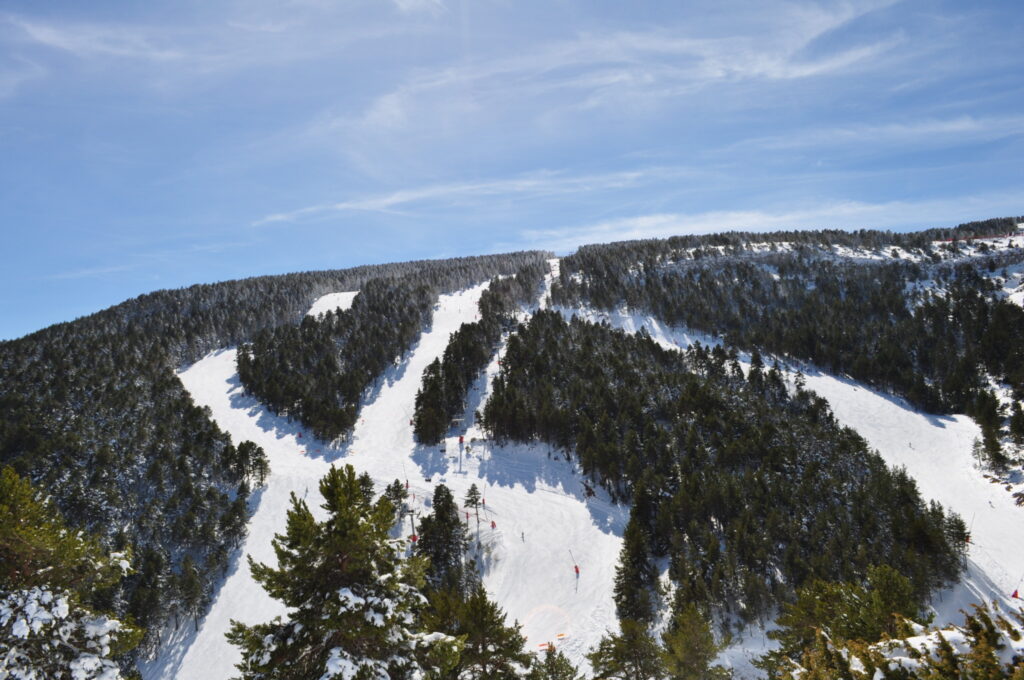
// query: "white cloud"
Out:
[534,185]
[86,40]
[623,68]
[216,46]
[828,215]
[930,131]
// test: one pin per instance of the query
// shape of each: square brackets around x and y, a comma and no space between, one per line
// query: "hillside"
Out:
[95,415]
[702,427]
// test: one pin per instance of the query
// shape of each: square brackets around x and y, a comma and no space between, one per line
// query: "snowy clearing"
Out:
[332,301]
[543,523]
[935,450]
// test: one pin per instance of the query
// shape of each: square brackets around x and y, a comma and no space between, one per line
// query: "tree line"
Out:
[748,491]
[933,331]
[95,415]
[317,371]
[446,381]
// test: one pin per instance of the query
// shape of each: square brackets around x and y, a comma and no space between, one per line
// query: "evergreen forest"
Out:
[746,490]
[94,414]
[933,329]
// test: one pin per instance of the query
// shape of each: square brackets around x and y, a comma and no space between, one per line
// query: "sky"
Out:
[161,144]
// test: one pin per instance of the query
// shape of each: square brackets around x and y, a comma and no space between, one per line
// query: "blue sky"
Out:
[159,144]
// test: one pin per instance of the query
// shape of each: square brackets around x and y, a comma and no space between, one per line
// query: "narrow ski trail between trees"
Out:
[936,452]
[544,523]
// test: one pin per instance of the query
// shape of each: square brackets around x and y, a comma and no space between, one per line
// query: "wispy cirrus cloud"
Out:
[931,131]
[535,185]
[624,69]
[221,46]
[824,215]
[142,259]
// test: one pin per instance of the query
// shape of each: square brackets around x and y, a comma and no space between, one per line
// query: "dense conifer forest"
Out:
[744,491]
[317,371]
[747,490]
[933,330]
[94,414]
[447,380]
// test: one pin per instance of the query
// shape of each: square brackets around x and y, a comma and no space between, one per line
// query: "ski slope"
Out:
[543,523]
[936,452]
[331,302]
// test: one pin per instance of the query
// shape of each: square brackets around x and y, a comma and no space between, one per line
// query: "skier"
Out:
[494,525]
[577,568]
[522,535]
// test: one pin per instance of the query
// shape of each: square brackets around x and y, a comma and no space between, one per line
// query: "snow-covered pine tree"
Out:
[443,541]
[353,599]
[492,650]
[48,576]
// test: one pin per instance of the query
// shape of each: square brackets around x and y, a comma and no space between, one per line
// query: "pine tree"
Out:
[490,648]
[442,540]
[632,654]
[50,577]
[396,494]
[690,647]
[191,589]
[353,600]
[429,421]
[472,500]
[37,548]
[553,665]
[1017,423]
[844,611]
[634,576]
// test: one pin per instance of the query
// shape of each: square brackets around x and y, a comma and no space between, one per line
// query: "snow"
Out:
[936,452]
[332,301]
[544,522]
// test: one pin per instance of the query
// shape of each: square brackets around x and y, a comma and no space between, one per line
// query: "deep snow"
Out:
[544,525]
[332,301]
[936,452]
[543,522]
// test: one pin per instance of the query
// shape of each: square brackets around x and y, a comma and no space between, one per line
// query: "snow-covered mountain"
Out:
[550,533]
[544,524]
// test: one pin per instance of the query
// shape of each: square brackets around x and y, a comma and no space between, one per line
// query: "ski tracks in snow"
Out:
[935,451]
[534,497]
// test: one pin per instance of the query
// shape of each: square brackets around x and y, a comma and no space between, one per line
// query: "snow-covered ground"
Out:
[935,450]
[331,302]
[543,523]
